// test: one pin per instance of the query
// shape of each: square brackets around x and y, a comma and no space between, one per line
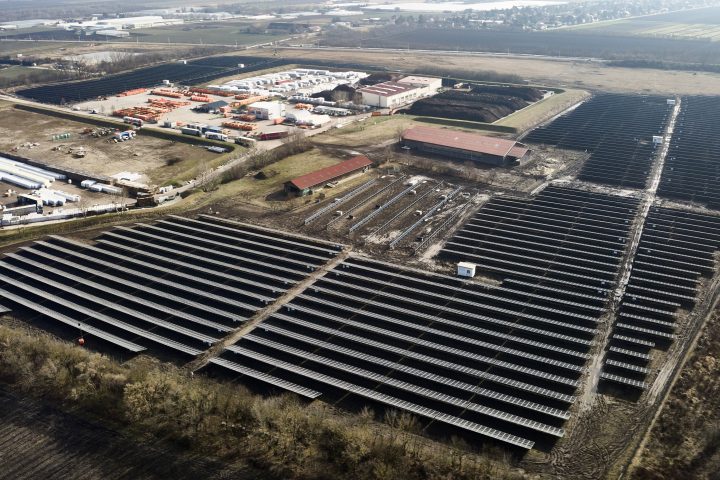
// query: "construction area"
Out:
[94,151]
[533,288]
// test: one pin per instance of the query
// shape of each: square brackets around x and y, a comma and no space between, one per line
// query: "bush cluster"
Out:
[278,435]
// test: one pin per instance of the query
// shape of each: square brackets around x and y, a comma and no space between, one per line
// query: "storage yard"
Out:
[67,145]
[532,290]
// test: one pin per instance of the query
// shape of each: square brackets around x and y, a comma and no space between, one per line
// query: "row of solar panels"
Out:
[567,239]
[691,168]
[603,118]
[489,359]
[180,283]
[616,130]
[500,360]
[676,251]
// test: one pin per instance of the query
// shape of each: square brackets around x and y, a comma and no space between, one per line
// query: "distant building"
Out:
[426,85]
[464,145]
[307,183]
[389,94]
[267,110]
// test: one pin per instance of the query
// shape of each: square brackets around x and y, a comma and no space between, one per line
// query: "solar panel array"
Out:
[563,238]
[692,165]
[501,361]
[193,72]
[498,361]
[179,284]
[676,251]
[617,130]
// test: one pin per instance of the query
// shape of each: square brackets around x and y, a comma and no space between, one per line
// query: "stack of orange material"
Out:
[200,98]
[245,117]
[249,100]
[166,93]
[167,104]
[210,91]
[135,91]
[240,126]
[148,114]
[303,106]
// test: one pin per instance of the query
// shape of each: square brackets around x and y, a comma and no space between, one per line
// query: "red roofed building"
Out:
[464,145]
[305,184]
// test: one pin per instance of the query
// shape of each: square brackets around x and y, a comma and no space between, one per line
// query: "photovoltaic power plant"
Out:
[192,72]
[692,165]
[563,240]
[617,130]
[502,362]
[676,253]
[178,284]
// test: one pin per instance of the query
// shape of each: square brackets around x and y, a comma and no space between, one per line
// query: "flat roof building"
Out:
[389,94]
[305,184]
[427,85]
[464,145]
[267,110]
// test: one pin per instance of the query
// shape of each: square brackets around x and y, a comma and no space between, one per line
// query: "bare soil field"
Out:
[37,441]
[583,75]
[158,161]
[685,441]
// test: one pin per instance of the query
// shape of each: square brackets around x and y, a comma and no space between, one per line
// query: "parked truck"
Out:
[191,131]
[273,135]
[216,136]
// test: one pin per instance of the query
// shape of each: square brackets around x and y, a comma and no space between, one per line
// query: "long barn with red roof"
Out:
[307,183]
[464,145]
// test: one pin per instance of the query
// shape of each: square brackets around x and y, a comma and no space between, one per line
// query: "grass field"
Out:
[13,47]
[543,110]
[265,193]
[375,131]
[15,71]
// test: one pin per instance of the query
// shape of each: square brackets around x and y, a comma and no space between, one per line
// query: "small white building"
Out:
[267,110]
[466,269]
[427,85]
[389,94]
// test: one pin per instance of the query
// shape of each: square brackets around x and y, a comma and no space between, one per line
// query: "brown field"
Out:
[159,161]
[586,75]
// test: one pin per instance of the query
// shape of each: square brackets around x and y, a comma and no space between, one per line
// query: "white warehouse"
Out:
[428,85]
[389,94]
[267,110]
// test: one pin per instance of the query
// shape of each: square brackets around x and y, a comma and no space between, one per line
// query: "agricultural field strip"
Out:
[175,299]
[591,44]
[666,234]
